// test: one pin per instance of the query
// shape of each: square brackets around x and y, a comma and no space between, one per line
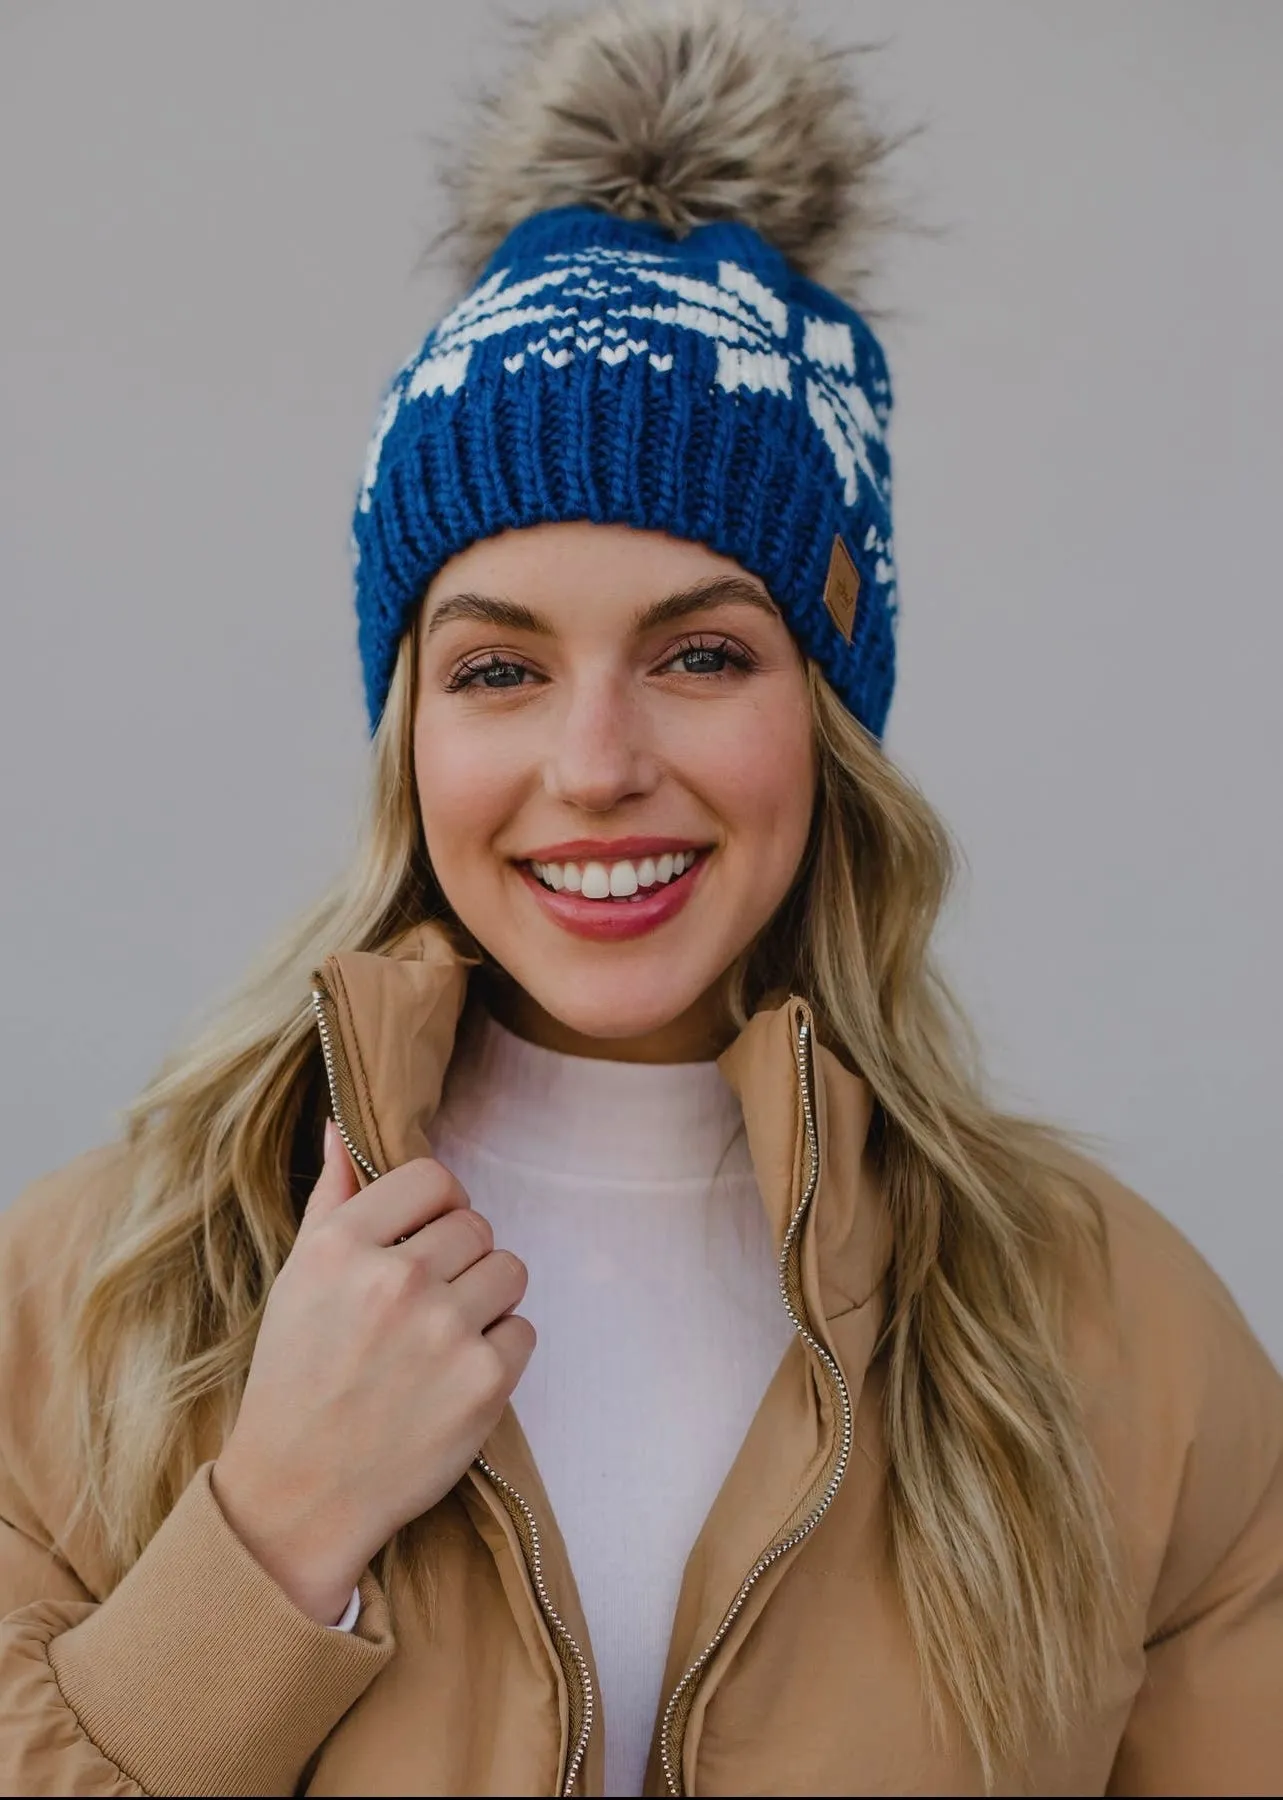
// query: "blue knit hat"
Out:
[611,369]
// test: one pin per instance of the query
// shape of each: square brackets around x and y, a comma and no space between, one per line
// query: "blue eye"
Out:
[702,662]
[709,659]
[502,674]
[492,672]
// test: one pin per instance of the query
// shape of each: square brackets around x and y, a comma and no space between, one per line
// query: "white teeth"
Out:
[596,882]
[621,880]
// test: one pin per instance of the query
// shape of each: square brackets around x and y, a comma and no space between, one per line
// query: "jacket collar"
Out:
[399,1012]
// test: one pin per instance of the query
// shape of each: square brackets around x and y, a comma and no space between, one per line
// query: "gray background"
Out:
[210,216]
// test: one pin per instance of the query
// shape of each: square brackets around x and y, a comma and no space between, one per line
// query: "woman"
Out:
[894,1446]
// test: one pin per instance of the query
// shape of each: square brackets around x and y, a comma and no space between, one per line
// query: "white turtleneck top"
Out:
[628,1192]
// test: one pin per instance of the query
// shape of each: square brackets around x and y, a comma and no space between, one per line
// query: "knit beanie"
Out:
[648,224]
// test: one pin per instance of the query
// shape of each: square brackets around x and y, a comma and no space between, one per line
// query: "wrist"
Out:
[292,1545]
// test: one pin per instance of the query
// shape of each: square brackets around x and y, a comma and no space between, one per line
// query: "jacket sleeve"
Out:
[196,1675]
[1208,1718]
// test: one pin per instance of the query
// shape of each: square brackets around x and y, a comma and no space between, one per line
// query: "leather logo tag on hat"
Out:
[842,589]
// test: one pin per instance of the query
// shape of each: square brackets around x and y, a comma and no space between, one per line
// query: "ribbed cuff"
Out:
[198,1676]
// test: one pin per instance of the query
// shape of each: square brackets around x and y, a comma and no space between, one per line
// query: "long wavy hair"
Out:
[999,1533]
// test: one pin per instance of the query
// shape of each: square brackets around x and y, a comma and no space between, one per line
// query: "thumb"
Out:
[337,1181]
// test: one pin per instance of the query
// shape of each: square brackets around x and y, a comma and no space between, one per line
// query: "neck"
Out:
[700,1034]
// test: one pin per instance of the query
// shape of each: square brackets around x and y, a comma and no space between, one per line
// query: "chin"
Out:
[618,1005]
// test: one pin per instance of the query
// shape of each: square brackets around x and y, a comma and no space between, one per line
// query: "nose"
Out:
[601,755]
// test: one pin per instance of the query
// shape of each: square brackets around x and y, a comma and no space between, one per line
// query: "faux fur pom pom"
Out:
[681,111]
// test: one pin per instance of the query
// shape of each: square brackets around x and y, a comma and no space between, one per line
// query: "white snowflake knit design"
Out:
[600,302]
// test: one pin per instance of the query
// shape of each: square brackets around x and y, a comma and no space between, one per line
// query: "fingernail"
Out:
[329,1139]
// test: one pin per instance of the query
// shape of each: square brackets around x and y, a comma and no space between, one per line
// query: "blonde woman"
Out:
[575,1324]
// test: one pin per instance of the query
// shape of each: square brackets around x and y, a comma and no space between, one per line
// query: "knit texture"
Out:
[602,369]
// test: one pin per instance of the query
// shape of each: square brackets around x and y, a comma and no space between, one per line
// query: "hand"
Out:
[380,1368]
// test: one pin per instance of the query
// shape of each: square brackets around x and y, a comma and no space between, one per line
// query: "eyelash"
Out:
[470,674]
[736,655]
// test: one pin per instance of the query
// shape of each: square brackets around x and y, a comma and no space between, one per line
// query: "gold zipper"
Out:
[347,1116]
[677,1712]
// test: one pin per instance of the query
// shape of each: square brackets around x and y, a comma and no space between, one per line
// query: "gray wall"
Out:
[209,220]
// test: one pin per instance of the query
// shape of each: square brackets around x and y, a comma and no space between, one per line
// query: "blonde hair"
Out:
[998,1530]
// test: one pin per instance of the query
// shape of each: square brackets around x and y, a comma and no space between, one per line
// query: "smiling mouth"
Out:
[622,880]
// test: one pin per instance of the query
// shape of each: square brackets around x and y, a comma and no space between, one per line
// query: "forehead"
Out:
[553,568]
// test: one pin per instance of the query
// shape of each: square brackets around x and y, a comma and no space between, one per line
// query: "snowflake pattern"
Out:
[605,303]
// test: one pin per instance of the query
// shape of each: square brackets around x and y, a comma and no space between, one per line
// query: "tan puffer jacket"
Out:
[790,1669]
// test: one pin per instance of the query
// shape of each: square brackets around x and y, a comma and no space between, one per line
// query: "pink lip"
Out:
[616,850]
[610,921]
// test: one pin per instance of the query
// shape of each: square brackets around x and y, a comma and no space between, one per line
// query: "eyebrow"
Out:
[492,609]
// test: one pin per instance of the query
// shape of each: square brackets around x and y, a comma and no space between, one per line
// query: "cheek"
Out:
[756,770]
[763,773]
[466,791]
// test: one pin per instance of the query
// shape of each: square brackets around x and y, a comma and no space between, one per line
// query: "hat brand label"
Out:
[842,588]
